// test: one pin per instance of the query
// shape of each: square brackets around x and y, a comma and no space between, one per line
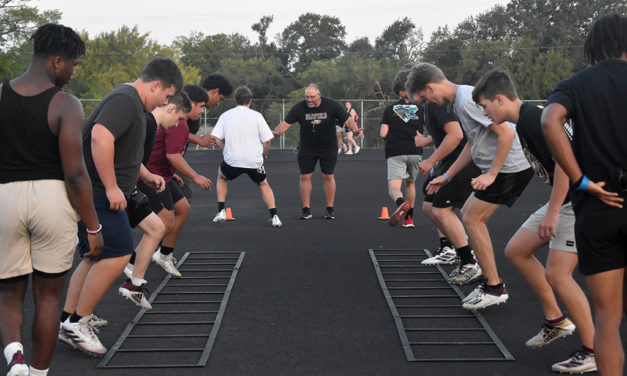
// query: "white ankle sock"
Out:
[11,349]
[137,281]
[38,372]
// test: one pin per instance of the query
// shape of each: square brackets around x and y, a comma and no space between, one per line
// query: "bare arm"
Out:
[350,123]
[553,119]
[281,128]
[505,139]
[153,180]
[385,129]
[102,150]
[454,135]
[546,229]
[206,140]
[266,148]
[462,161]
[77,183]
[181,165]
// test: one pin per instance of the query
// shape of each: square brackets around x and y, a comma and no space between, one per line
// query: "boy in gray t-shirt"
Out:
[496,150]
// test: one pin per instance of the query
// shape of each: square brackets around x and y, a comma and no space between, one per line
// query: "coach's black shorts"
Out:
[455,192]
[255,174]
[307,161]
[137,207]
[164,199]
[507,187]
[601,236]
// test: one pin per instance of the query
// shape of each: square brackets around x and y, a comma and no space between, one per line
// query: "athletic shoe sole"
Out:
[399,213]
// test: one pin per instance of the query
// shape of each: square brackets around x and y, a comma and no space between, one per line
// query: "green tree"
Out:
[208,53]
[312,37]
[395,43]
[17,22]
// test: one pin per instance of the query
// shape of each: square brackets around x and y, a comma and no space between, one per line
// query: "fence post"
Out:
[282,140]
[361,117]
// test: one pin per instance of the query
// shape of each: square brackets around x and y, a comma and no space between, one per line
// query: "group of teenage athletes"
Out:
[122,168]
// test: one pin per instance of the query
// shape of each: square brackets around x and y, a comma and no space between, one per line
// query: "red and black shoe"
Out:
[399,213]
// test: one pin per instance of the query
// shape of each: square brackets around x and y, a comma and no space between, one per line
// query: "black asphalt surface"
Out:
[307,300]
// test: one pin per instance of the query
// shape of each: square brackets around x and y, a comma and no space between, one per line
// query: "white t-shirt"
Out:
[244,131]
[484,141]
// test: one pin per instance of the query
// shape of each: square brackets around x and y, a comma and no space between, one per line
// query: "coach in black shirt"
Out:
[316,116]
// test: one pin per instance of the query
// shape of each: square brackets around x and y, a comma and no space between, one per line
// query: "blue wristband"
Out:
[448,180]
[584,184]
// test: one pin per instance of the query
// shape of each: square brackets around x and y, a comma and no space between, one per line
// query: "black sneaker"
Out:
[306,214]
[330,213]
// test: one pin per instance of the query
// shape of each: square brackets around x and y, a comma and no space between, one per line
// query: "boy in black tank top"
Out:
[41,167]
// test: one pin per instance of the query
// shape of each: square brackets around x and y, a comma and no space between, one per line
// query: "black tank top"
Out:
[28,149]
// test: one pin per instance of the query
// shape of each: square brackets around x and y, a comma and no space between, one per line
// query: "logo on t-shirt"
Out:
[406,112]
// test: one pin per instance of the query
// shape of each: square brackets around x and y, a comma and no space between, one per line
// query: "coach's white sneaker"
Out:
[220,217]
[276,222]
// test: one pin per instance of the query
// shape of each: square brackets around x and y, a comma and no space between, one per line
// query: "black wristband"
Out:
[577,183]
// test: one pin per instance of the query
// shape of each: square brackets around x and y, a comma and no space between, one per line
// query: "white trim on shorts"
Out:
[404,167]
[565,229]
[38,228]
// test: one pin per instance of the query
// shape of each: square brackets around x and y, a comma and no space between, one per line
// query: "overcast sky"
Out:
[167,19]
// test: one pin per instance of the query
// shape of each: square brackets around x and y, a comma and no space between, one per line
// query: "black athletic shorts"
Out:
[138,207]
[165,199]
[507,187]
[307,161]
[255,174]
[454,193]
[601,236]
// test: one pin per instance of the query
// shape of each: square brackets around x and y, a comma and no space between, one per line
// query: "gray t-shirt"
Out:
[484,141]
[122,113]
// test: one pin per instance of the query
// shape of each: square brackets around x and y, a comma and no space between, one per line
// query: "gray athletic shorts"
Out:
[188,186]
[404,167]
[565,230]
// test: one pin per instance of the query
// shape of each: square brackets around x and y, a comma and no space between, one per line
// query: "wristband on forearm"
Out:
[582,183]
[448,180]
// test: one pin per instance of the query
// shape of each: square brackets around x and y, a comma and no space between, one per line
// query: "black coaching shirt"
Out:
[317,125]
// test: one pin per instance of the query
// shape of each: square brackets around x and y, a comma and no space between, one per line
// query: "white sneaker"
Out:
[83,337]
[487,297]
[474,293]
[166,262]
[350,152]
[276,222]
[357,149]
[136,294]
[578,362]
[128,270]
[549,333]
[17,366]
[220,217]
[444,255]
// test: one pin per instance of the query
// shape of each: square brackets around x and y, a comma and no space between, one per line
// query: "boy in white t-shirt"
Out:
[247,139]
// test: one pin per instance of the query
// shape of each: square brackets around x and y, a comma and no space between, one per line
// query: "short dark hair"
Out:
[57,40]
[164,70]
[421,75]
[243,95]
[181,101]
[218,81]
[494,82]
[196,93]
[398,84]
[607,39]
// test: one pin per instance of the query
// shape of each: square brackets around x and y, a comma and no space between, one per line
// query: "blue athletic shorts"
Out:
[116,231]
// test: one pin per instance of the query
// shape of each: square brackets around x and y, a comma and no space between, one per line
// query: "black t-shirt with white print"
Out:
[317,125]
[401,133]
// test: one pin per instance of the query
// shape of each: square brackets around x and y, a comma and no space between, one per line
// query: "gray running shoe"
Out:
[465,274]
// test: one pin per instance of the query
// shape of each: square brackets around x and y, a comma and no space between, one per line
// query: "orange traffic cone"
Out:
[229,215]
[384,213]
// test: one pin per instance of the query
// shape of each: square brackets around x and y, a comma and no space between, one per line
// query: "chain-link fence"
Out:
[370,112]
